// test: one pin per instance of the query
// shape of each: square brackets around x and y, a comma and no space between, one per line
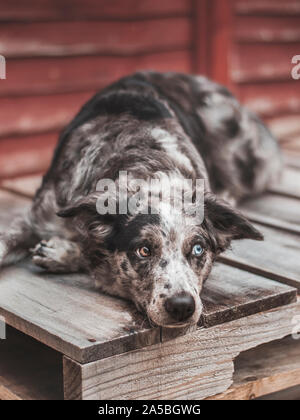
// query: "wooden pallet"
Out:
[99,347]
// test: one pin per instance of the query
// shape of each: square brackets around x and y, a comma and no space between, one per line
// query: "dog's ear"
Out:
[74,209]
[228,222]
[88,206]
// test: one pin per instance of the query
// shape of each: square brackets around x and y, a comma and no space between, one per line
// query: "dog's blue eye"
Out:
[197,250]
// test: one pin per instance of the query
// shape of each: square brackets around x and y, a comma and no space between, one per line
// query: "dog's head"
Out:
[159,261]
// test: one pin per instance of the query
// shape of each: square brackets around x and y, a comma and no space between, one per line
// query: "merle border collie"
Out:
[149,123]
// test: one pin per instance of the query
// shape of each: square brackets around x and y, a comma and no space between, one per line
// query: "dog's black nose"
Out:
[180,306]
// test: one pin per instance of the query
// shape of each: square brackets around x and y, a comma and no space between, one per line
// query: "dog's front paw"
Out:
[56,255]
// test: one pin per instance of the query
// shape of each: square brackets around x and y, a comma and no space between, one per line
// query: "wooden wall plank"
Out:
[267,7]
[14,10]
[81,38]
[263,62]
[221,41]
[26,155]
[273,99]
[71,74]
[39,114]
[267,29]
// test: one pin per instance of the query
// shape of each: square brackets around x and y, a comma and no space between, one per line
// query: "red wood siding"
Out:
[60,52]
[267,36]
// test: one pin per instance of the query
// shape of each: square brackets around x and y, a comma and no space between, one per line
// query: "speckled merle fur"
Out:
[148,124]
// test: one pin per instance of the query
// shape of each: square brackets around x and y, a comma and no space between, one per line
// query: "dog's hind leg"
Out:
[16,241]
[58,256]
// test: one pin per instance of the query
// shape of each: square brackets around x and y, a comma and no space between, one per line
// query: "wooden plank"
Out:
[228,294]
[267,29]
[231,293]
[91,9]
[194,366]
[38,76]
[201,37]
[221,41]
[271,98]
[103,325]
[274,210]
[284,126]
[43,306]
[82,38]
[264,370]
[292,160]
[277,257]
[39,305]
[265,7]
[26,155]
[25,186]
[256,62]
[289,184]
[39,114]
[28,369]
[290,394]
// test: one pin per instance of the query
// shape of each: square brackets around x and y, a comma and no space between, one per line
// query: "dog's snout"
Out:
[180,306]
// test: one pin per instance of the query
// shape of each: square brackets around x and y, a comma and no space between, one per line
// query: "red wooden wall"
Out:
[60,52]
[266,37]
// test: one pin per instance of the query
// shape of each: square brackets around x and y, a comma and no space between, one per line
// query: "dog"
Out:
[148,124]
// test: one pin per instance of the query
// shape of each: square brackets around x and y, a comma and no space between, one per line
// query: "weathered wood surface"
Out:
[25,186]
[264,370]
[277,257]
[68,314]
[292,160]
[39,304]
[274,210]
[195,366]
[290,394]
[28,369]
[289,184]
[231,293]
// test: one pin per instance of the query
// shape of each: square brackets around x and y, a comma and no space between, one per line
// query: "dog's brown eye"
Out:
[143,252]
